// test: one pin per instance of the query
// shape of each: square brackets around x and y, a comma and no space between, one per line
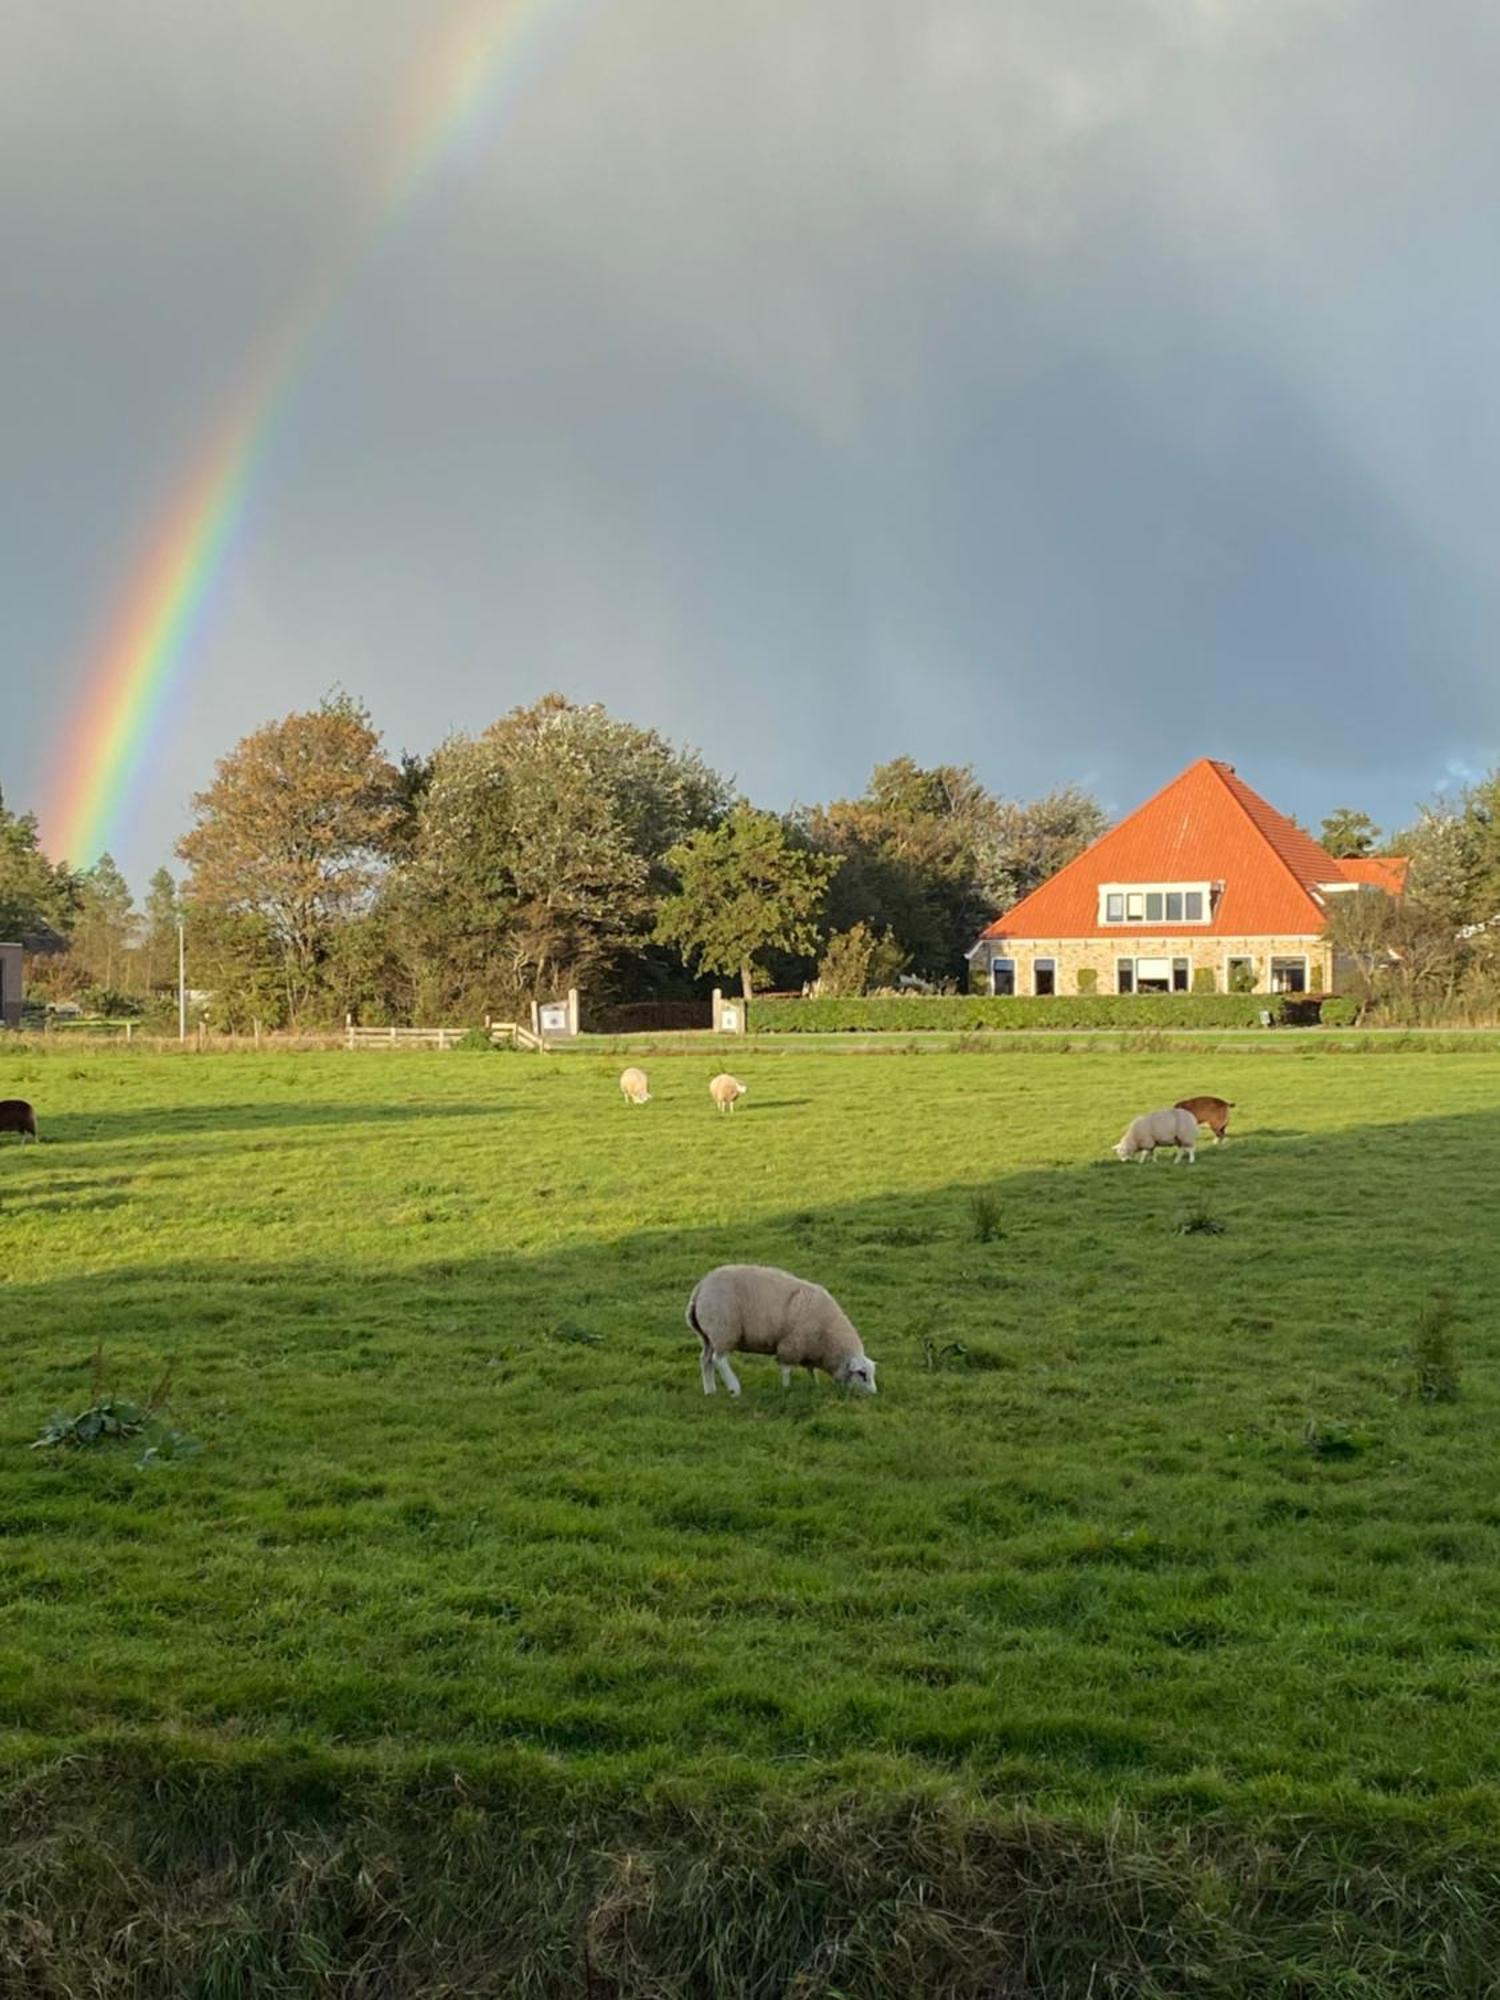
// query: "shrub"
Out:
[1204,980]
[985,1209]
[477,1042]
[961,1013]
[858,959]
[1199,1222]
[1242,979]
[112,1419]
[1342,1011]
[1088,979]
[1434,1352]
[109,1003]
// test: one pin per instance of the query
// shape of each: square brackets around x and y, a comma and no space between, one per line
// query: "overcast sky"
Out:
[1073,387]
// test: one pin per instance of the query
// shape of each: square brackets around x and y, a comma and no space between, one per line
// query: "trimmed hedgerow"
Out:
[960,1013]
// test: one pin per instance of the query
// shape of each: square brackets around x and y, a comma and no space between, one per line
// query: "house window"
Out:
[1043,975]
[1153,975]
[1124,975]
[1155,902]
[1288,975]
[1239,975]
[1002,976]
[1180,975]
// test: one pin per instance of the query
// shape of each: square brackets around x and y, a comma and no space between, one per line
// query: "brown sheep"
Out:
[16,1115]
[1210,1111]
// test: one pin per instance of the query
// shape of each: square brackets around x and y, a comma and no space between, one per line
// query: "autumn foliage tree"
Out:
[290,842]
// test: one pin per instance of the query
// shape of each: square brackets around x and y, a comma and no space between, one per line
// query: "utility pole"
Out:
[181,983]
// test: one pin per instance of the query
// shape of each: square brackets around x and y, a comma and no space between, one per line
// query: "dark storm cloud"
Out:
[1073,388]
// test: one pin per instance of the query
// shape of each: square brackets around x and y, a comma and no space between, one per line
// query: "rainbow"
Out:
[474,77]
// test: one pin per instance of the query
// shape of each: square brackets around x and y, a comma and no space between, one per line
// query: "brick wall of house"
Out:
[1075,955]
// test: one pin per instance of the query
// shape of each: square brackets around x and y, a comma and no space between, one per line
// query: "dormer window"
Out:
[1155,902]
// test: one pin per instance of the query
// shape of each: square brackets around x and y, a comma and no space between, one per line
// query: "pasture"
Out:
[1140,1631]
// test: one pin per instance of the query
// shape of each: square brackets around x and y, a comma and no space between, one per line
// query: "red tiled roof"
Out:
[1206,826]
[1379,871]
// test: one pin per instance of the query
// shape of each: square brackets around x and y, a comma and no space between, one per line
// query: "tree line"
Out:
[563,846]
[560,846]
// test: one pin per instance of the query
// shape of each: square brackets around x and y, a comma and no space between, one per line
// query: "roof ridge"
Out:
[1223,773]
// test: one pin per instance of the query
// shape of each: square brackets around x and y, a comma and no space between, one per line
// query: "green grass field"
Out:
[1149,1641]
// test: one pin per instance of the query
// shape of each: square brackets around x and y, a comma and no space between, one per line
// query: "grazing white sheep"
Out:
[636,1089]
[724,1090]
[1175,1127]
[756,1309]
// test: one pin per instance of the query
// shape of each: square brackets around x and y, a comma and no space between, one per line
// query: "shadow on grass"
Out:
[94,1128]
[1117,1451]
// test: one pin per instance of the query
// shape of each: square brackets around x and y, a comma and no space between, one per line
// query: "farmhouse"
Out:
[1204,888]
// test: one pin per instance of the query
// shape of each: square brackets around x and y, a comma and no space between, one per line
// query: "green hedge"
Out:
[959,1013]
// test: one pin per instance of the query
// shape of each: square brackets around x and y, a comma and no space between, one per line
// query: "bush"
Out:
[858,959]
[1088,979]
[1341,1011]
[109,1003]
[476,1041]
[962,1013]
[985,1210]
[1204,980]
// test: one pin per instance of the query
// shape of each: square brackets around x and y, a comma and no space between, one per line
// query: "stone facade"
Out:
[1071,956]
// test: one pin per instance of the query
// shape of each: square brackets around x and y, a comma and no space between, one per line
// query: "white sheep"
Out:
[725,1089]
[1143,1135]
[757,1309]
[633,1083]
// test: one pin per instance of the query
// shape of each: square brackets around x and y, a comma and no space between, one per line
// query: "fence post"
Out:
[393,1035]
[348,1031]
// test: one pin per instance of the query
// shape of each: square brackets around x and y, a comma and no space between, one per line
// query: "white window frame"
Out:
[1250,958]
[1135,893]
[1273,959]
[1123,958]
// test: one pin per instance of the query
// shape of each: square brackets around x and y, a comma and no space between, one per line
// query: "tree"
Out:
[106,925]
[931,856]
[1347,834]
[294,834]
[159,936]
[1396,947]
[38,898]
[1037,839]
[858,961]
[745,888]
[538,856]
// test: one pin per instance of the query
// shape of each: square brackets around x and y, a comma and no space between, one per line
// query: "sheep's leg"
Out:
[706,1368]
[786,1376]
[727,1375]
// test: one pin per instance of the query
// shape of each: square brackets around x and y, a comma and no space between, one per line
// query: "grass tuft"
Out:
[1436,1367]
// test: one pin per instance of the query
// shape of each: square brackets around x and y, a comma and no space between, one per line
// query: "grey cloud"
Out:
[1073,386]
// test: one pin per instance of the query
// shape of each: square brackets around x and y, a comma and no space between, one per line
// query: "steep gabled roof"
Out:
[1376,871]
[1207,825]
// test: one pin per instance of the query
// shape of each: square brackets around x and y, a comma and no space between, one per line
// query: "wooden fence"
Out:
[509,1032]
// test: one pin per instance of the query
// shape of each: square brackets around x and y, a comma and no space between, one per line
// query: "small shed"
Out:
[11,989]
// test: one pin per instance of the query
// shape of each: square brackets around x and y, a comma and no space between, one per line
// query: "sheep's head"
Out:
[1122,1150]
[859,1373]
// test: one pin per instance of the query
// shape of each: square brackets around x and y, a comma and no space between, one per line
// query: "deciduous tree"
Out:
[295,832]
[746,887]
[1347,833]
